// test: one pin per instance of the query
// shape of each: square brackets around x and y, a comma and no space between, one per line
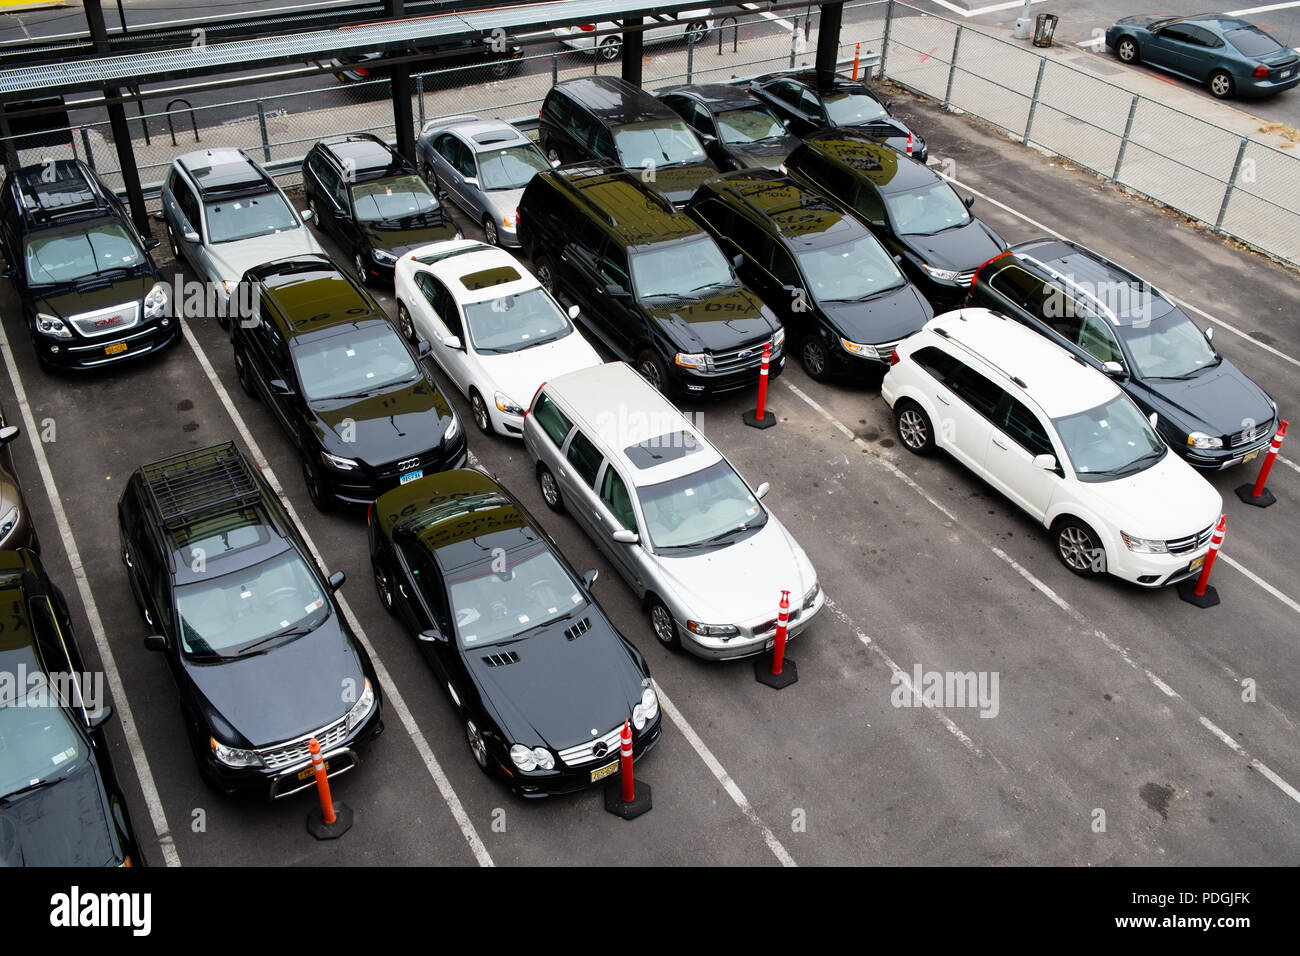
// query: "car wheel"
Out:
[315,489]
[914,428]
[1127,50]
[477,746]
[652,370]
[812,353]
[696,31]
[245,379]
[174,245]
[431,179]
[610,48]
[358,260]
[500,69]
[405,325]
[1221,85]
[490,231]
[550,489]
[383,588]
[479,409]
[663,625]
[545,273]
[1079,547]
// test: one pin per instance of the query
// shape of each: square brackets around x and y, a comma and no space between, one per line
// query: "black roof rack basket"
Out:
[204,482]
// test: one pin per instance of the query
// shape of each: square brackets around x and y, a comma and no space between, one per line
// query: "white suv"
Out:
[1059,439]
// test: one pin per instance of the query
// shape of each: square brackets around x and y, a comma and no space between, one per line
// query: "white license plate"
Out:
[1285,74]
[411,476]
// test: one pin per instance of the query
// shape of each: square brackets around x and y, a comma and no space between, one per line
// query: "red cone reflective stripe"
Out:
[762,381]
[1268,460]
[782,617]
[909,144]
[1216,542]
[322,782]
[625,756]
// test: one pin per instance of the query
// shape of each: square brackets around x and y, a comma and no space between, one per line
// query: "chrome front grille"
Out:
[298,751]
[392,469]
[966,278]
[586,752]
[1191,542]
[770,626]
[1248,435]
[108,321]
[751,356]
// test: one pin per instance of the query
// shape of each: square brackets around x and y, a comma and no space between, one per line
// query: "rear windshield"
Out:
[1252,41]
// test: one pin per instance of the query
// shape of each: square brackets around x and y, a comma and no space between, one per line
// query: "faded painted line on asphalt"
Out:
[779,21]
[992,8]
[1259,765]
[1261,582]
[122,706]
[1265,9]
[1290,464]
[724,778]
[393,697]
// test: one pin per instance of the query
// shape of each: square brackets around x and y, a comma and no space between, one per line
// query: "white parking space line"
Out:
[779,21]
[121,706]
[1259,765]
[1289,602]
[1266,9]
[392,697]
[1043,588]
[724,778]
[992,8]
[1289,463]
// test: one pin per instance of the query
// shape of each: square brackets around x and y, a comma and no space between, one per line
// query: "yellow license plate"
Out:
[1196,563]
[304,774]
[115,349]
[1252,456]
[603,772]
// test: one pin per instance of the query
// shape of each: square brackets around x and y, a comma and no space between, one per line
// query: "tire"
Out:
[315,490]
[1079,547]
[550,489]
[477,746]
[813,357]
[405,325]
[245,380]
[490,231]
[662,625]
[611,48]
[431,180]
[1126,49]
[363,274]
[479,409]
[915,430]
[1221,85]
[696,31]
[500,69]
[650,368]
[175,246]
[383,587]
[545,273]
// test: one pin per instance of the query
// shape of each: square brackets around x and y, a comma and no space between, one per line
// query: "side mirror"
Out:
[555,164]
[574,311]
[8,434]
[1113,369]
[306,215]
[336,580]
[1154,419]
[155,642]
[152,243]
[969,201]
[708,139]
[898,258]
[616,290]
[623,536]
[1045,462]
[471,181]
[424,348]
[738,260]
[189,235]
[886,103]
[1209,335]
[762,490]
[280,387]
[589,578]
[452,342]
[97,719]
[433,636]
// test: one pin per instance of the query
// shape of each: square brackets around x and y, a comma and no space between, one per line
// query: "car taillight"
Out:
[893,358]
[586,27]
[529,409]
[983,264]
[1261,72]
[361,71]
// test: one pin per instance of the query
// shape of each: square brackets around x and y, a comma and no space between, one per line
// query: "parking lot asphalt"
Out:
[1120,736]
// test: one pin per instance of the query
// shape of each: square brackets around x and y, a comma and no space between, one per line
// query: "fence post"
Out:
[261,121]
[794,37]
[1227,192]
[952,67]
[1033,104]
[1123,143]
[884,43]
[555,68]
[85,142]
[690,59]
[419,96]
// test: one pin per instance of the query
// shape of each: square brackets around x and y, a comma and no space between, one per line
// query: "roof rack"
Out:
[205,482]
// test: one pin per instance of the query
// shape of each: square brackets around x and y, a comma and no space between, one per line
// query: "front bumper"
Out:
[360,487]
[1155,570]
[756,636]
[80,354]
[695,382]
[566,779]
[1217,459]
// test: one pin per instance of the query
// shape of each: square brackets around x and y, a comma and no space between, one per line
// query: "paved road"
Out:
[1111,699]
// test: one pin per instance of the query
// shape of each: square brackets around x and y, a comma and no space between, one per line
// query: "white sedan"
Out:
[493,330]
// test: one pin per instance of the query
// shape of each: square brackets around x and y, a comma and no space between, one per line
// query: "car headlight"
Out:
[1143,545]
[53,326]
[155,303]
[810,597]
[948,275]
[387,258]
[235,756]
[452,430]
[778,339]
[532,758]
[646,710]
[362,708]
[505,405]
[712,630]
[334,461]
[8,523]
[857,348]
[699,360]
[1202,440]
[508,221]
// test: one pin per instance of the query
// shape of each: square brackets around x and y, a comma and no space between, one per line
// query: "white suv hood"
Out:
[1168,500]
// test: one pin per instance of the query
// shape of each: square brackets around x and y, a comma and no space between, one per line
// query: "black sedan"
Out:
[60,801]
[738,130]
[807,102]
[540,678]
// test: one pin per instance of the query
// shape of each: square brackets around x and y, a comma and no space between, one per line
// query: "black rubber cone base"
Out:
[763,672]
[751,419]
[640,804]
[1187,591]
[321,830]
[1263,501]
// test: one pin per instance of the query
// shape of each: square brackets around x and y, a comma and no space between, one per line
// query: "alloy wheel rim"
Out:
[544,277]
[404,323]
[1126,50]
[650,372]
[476,744]
[813,358]
[1077,548]
[381,585]
[610,48]
[549,491]
[662,624]
[490,232]
[912,428]
[1220,85]
[480,412]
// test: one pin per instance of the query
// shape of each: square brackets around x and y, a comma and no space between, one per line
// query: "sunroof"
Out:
[670,446]
[485,278]
[494,136]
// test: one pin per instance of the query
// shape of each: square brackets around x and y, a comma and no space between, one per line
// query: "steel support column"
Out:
[400,84]
[828,39]
[117,122]
[633,50]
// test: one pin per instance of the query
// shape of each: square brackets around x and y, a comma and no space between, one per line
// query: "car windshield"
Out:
[712,506]
[680,270]
[925,211]
[511,323]
[249,216]
[850,270]
[1253,42]
[354,363]
[510,168]
[853,109]
[392,199]
[36,743]
[75,252]
[234,613]
[1110,441]
[657,143]
[1169,347]
[500,599]
[748,125]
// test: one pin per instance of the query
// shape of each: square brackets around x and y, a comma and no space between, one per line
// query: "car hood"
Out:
[504,202]
[384,427]
[290,690]
[678,183]
[559,690]
[962,249]
[889,317]
[398,241]
[233,259]
[765,154]
[1219,401]
[62,825]
[1168,500]
[739,582]
[727,320]
[69,302]
[520,374]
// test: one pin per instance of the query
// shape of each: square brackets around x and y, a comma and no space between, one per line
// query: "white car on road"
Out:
[494,331]
[606,40]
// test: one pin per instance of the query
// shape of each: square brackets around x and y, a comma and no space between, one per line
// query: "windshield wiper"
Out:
[1134,466]
[550,620]
[30,788]
[296,630]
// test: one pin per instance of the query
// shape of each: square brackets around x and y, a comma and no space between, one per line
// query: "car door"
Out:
[615,511]
[1171,47]
[449,344]
[786,99]
[1202,53]
[1017,436]
[419,594]
[271,364]
[968,402]
[627,324]
[185,218]
[577,480]
[460,169]
[578,276]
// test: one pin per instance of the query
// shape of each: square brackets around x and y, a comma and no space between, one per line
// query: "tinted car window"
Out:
[1098,341]
[613,492]
[1025,428]
[189,204]
[976,390]
[936,361]
[1253,42]
[585,458]
[553,421]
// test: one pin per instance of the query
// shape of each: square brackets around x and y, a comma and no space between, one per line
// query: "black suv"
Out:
[249,626]
[909,207]
[808,102]
[842,298]
[1206,408]
[605,117]
[60,801]
[652,285]
[372,201]
[737,129]
[90,292]
[359,405]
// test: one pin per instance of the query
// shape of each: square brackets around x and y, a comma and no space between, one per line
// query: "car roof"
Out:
[811,79]
[69,193]
[363,153]
[1052,378]
[627,207]
[474,271]
[892,171]
[800,216]
[611,97]
[312,294]
[223,170]
[481,134]
[717,96]
[1090,271]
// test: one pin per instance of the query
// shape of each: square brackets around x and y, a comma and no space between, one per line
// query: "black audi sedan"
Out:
[737,129]
[60,801]
[249,627]
[349,392]
[540,679]
[1206,408]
